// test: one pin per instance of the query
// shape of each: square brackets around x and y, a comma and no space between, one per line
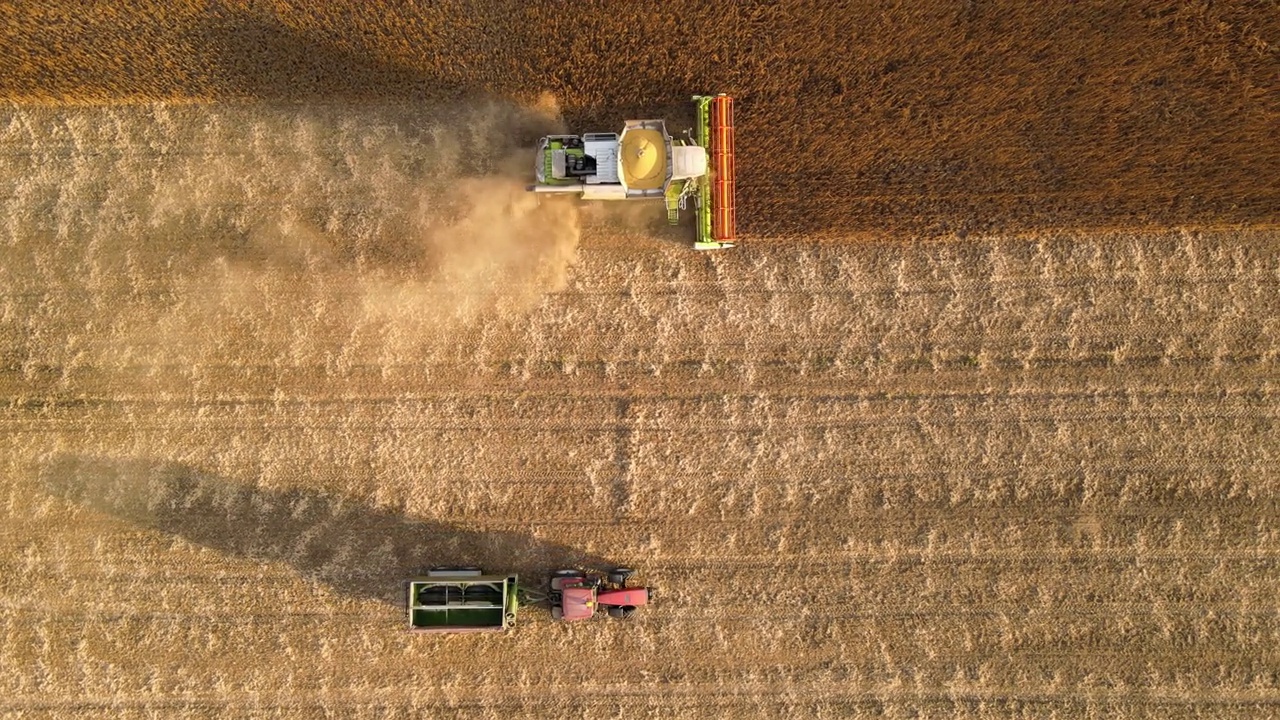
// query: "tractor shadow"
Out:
[358,550]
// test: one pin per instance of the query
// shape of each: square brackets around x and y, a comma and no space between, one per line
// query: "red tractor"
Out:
[576,594]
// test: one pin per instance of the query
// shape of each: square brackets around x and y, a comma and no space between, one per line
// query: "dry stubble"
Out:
[991,479]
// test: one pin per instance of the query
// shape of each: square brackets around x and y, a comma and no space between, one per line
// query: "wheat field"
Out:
[279,328]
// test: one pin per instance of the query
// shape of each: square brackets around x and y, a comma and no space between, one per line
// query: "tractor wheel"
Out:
[628,611]
[618,576]
[616,612]
[557,612]
[565,573]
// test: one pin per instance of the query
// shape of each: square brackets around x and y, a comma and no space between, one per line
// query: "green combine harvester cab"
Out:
[644,162]
[452,600]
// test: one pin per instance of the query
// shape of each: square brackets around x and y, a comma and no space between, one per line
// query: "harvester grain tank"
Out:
[644,162]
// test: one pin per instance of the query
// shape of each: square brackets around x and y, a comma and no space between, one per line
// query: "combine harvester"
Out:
[646,163]
[458,600]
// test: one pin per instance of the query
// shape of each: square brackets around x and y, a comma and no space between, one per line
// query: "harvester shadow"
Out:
[359,550]
[260,59]
[257,56]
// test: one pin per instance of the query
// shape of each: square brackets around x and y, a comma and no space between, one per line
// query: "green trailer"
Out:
[454,600]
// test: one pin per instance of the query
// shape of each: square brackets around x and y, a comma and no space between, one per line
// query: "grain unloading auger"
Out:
[645,163]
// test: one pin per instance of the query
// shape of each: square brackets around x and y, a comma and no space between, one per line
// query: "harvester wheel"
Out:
[618,576]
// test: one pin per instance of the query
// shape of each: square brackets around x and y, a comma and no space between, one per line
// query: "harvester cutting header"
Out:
[645,163]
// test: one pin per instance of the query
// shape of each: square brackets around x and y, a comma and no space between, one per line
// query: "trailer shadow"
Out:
[358,550]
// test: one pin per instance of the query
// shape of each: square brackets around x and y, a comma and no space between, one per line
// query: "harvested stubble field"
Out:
[980,421]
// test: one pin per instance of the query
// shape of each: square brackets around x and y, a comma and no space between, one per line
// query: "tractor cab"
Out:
[577,603]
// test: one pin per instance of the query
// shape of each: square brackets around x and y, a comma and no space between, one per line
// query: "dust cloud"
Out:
[255,235]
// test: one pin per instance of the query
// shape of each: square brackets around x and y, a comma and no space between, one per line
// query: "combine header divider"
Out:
[724,217]
[717,216]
